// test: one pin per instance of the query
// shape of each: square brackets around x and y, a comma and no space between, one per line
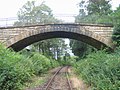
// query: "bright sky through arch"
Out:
[9,8]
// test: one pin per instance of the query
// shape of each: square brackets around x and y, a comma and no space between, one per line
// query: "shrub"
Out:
[100,70]
[116,35]
[12,72]
[16,68]
[41,63]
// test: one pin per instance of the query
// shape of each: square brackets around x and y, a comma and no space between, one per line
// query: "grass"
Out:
[35,81]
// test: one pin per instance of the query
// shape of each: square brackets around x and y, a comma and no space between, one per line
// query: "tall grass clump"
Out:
[100,70]
[16,68]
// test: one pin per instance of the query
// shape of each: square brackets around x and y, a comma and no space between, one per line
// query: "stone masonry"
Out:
[93,34]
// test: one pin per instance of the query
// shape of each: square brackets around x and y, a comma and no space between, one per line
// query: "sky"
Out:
[9,8]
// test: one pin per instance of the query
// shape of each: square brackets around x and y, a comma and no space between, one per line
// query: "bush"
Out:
[16,69]
[116,35]
[100,70]
[68,60]
[12,72]
[41,63]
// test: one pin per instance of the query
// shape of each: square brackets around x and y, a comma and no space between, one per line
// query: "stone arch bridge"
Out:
[19,37]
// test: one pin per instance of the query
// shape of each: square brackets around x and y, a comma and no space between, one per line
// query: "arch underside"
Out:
[56,34]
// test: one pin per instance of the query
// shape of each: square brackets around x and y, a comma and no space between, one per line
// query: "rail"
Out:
[56,73]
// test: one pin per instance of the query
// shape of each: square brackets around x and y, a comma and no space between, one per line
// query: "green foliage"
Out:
[100,70]
[31,13]
[116,16]
[80,49]
[94,11]
[101,7]
[16,69]
[69,60]
[40,63]
[116,22]
[116,35]
[51,48]
[12,71]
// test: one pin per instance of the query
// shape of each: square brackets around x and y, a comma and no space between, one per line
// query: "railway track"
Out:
[59,81]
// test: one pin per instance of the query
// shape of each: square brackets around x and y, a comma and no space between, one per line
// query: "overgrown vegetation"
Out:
[116,35]
[94,11]
[116,22]
[100,70]
[80,49]
[16,69]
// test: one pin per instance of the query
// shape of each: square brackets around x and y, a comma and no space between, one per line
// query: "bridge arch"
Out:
[37,33]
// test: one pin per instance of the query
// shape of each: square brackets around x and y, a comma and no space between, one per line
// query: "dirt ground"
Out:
[77,83]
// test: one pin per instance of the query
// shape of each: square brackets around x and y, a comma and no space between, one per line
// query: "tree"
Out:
[96,11]
[99,7]
[82,12]
[80,49]
[116,23]
[116,35]
[54,48]
[31,14]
